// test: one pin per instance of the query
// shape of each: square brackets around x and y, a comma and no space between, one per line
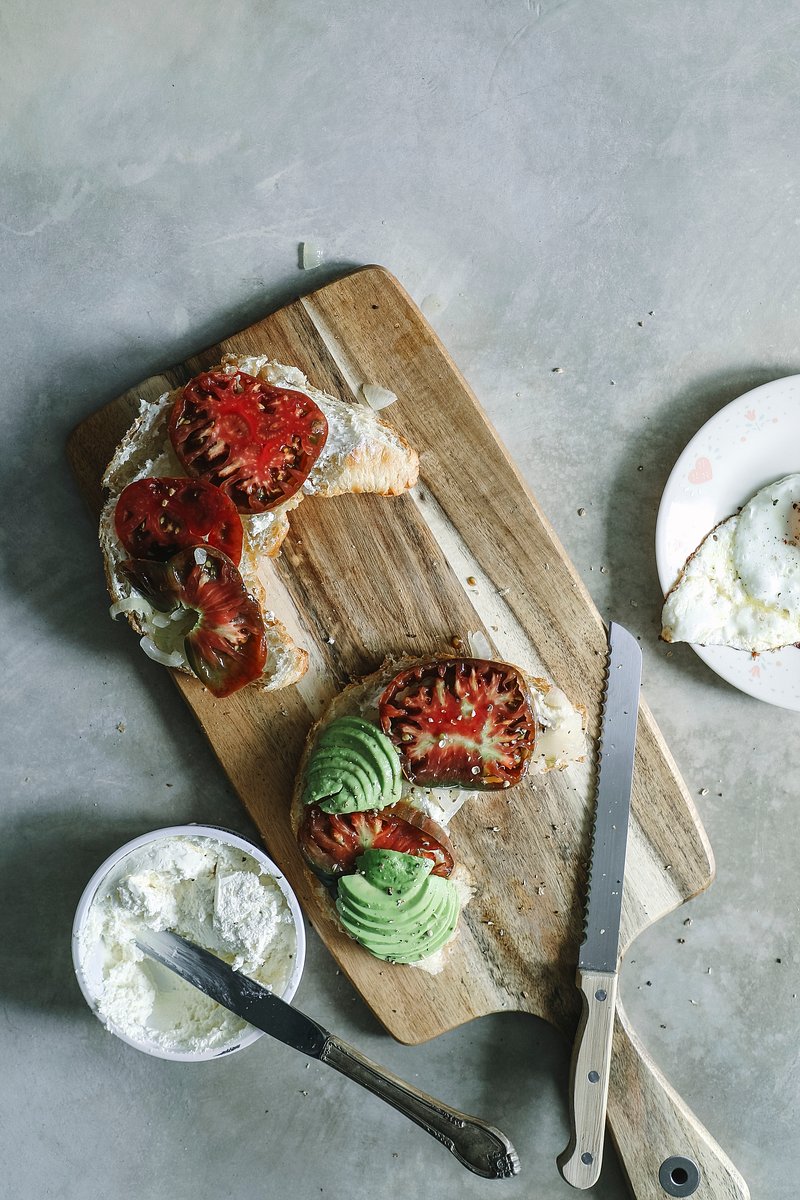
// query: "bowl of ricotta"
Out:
[209,885]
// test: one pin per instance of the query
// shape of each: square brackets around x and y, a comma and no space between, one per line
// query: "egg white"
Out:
[741,587]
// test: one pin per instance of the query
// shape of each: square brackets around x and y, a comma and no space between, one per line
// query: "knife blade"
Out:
[598,960]
[478,1146]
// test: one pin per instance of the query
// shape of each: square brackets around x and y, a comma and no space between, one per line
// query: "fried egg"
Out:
[741,586]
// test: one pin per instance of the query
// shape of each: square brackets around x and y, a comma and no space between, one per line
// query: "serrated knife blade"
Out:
[598,959]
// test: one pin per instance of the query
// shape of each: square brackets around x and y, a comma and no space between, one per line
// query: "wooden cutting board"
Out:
[361,577]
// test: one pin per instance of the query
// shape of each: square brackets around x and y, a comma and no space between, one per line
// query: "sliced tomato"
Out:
[460,722]
[155,518]
[255,442]
[332,842]
[221,624]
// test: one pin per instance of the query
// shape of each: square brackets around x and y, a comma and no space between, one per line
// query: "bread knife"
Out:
[478,1146]
[598,961]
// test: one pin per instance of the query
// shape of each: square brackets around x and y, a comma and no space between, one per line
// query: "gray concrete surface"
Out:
[552,173]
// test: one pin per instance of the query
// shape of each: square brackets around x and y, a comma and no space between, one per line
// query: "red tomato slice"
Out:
[255,442]
[223,630]
[331,842]
[155,518]
[460,722]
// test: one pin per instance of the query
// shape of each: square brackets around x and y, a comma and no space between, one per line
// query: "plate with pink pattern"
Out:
[746,445]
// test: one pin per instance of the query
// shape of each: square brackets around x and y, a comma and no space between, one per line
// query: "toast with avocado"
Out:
[386,768]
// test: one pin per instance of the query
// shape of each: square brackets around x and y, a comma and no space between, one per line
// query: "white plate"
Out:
[746,445]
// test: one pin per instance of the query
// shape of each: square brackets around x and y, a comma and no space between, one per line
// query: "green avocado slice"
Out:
[432,944]
[363,900]
[434,936]
[379,743]
[390,907]
[334,774]
[331,788]
[369,741]
[395,912]
[348,750]
[382,926]
[331,792]
[393,868]
[406,946]
[370,755]
[389,930]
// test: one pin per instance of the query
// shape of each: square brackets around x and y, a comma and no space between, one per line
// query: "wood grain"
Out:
[361,577]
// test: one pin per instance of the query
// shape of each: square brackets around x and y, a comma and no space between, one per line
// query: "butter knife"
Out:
[598,961]
[478,1146]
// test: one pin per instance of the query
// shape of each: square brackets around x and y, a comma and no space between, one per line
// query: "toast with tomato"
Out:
[389,764]
[198,495]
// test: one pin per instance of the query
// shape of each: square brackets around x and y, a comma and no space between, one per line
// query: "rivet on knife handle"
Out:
[598,959]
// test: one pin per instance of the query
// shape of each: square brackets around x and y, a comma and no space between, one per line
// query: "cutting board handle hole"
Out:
[679,1176]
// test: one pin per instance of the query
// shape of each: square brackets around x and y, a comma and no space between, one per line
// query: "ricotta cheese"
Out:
[214,894]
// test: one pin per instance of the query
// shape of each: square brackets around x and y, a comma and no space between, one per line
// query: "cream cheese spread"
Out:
[212,893]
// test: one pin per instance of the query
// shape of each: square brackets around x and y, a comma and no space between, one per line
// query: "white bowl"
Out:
[88,964]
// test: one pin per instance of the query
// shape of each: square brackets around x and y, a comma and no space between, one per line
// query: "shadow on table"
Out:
[46,860]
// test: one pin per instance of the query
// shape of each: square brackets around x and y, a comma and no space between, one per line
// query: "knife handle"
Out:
[580,1163]
[478,1146]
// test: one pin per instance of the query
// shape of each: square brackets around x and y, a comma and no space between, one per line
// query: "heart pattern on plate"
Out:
[701,471]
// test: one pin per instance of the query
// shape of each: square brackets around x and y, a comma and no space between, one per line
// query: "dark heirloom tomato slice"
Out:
[255,442]
[461,722]
[333,841]
[223,630]
[155,518]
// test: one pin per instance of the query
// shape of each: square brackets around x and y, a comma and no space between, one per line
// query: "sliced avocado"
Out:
[365,896]
[370,902]
[321,784]
[370,742]
[331,792]
[374,757]
[359,725]
[336,787]
[438,931]
[430,945]
[375,736]
[358,755]
[350,767]
[362,901]
[393,868]
[399,932]
[388,924]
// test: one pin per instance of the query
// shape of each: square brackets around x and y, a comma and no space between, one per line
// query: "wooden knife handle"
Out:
[589,1078]
[663,1148]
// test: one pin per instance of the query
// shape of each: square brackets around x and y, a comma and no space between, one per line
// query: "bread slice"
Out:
[561,740]
[361,454]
